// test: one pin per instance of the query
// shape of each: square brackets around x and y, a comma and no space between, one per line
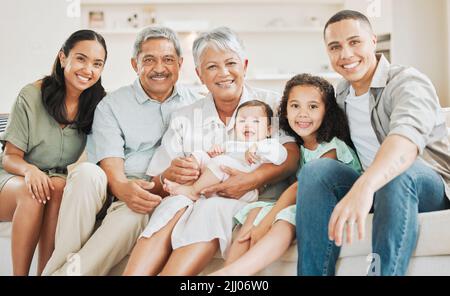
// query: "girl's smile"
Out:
[305,111]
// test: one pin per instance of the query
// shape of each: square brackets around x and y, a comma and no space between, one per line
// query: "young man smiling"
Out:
[399,133]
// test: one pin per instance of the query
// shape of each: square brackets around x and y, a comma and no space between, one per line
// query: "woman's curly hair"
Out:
[334,123]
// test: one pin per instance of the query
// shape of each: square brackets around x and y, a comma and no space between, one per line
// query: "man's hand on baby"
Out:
[250,155]
[215,150]
[183,170]
[136,194]
[234,187]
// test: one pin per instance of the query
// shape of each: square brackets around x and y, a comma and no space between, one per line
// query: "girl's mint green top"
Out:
[344,153]
[45,144]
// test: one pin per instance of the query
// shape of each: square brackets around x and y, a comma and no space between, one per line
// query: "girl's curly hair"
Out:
[334,123]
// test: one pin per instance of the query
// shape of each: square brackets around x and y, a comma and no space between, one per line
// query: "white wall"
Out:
[420,39]
[31,33]
[275,51]
[378,11]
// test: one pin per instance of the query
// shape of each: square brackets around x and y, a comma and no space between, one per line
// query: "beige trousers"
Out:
[79,248]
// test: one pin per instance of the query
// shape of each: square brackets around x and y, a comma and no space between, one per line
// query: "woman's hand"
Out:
[250,155]
[38,184]
[215,150]
[235,186]
[255,234]
[353,208]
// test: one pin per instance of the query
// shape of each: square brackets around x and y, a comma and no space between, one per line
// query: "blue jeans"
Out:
[324,182]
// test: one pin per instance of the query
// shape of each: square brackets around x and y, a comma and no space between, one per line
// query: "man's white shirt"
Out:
[361,130]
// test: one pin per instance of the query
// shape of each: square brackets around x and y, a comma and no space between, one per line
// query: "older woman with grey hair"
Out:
[127,128]
[183,236]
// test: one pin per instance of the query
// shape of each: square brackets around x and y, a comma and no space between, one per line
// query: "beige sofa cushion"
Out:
[5,229]
[434,239]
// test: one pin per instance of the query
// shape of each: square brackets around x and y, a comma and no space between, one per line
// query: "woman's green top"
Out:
[45,144]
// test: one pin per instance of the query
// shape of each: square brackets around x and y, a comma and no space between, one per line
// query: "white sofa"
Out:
[431,257]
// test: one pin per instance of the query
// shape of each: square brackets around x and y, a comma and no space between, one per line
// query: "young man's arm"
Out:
[395,156]
[414,117]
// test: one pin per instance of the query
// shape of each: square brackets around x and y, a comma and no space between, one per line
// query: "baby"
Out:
[252,148]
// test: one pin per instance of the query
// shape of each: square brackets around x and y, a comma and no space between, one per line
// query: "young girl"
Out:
[252,148]
[308,112]
[46,132]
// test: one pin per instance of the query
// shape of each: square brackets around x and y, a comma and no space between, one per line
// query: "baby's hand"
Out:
[250,155]
[215,150]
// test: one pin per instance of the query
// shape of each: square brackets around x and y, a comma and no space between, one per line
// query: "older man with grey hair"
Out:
[127,129]
[183,236]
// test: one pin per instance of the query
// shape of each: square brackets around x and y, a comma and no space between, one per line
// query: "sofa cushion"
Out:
[5,229]
[434,239]
[418,266]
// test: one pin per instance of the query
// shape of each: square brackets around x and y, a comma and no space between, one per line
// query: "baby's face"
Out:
[252,124]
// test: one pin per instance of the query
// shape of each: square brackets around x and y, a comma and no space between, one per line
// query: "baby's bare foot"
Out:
[170,186]
[173,188]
